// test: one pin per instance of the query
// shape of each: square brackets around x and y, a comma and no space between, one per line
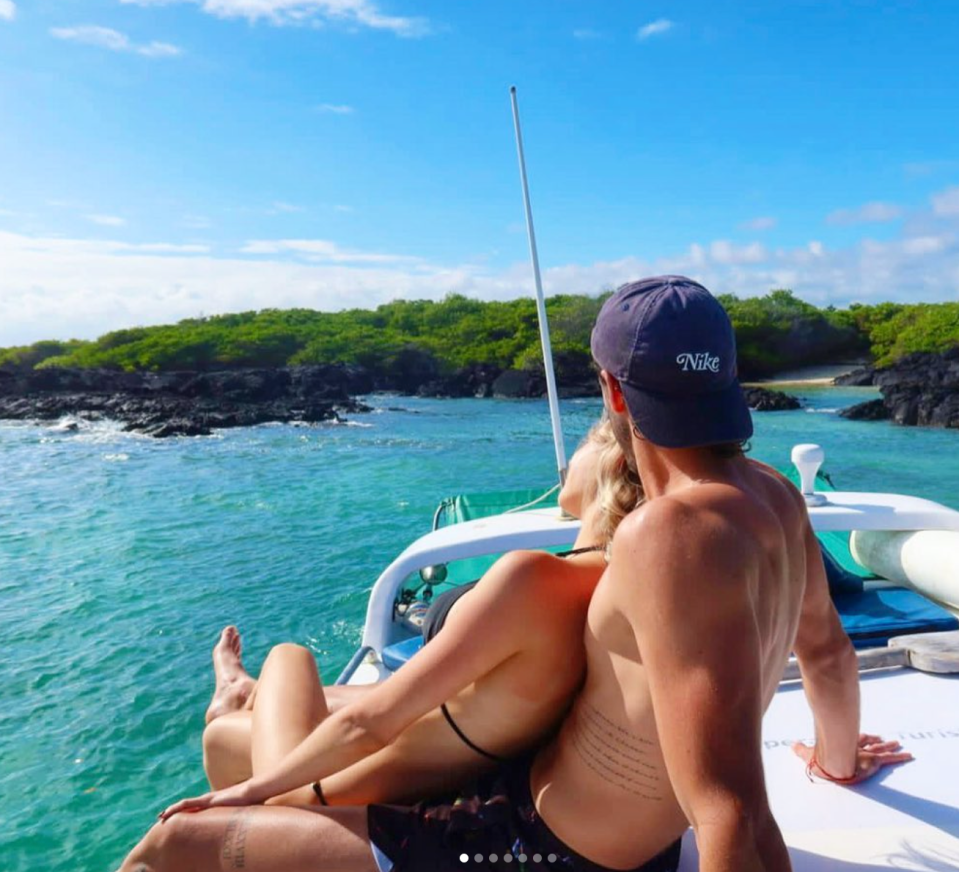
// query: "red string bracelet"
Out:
[813,762]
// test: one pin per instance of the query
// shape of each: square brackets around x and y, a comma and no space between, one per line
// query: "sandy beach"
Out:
[809,375]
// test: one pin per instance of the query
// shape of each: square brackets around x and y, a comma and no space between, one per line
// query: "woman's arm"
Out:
[497,620]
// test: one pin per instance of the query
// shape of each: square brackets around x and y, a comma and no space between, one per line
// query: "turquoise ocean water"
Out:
[122,557]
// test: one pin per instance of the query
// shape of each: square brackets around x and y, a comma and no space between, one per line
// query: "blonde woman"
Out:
[487,688]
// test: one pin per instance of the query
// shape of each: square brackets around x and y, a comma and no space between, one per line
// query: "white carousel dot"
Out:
[507,858]
[537,858]
[551,858]
[521,858]
[478,858]
[493,858]
[464,858]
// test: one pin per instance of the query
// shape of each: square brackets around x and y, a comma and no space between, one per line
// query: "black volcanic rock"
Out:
[920,389]
[518,383]
[475,380]
[763,400]
[873,410]
[185,403]
[858,378]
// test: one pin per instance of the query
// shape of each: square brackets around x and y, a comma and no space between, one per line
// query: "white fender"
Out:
[926,560]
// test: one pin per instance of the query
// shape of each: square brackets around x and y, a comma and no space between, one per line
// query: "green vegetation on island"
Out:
[774,332]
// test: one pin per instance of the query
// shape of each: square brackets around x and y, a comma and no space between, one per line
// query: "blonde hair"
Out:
[614,488]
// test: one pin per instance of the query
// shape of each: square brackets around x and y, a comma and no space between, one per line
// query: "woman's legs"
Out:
[293,704]
[257,839]
[226,749]
[289,705]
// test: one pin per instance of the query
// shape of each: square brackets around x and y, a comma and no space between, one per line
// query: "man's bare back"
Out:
[724,558]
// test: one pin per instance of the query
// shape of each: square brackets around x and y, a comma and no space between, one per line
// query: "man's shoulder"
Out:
[774,475]
[686,522]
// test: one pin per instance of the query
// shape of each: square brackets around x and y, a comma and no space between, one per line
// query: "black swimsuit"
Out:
[435,619]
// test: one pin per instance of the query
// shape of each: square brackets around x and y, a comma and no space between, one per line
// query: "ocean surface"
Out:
[122,557]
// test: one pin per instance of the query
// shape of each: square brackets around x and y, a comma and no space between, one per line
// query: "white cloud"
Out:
[106,220]
[335,109]
[586,33]
[724,252]
[356,13]
[654,28]
[113,40]
[764,222]
[8,10]
[868,213]
[946,203]
[341,207]
[281,208]
[58,288]
[158,50]
[321,250]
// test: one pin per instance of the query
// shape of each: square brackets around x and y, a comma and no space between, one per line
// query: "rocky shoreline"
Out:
[920,389]
[186,403]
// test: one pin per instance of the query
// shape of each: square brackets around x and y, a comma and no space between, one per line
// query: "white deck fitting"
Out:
[906,818]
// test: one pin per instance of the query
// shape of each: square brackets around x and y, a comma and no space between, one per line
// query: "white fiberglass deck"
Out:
[906,818]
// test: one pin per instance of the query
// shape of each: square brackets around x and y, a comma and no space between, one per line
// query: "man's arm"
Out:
[685,585]
[830,673]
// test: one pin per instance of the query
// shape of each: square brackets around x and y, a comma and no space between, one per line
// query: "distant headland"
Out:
[304,365]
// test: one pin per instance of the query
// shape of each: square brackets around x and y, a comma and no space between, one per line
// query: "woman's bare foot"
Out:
[233,683]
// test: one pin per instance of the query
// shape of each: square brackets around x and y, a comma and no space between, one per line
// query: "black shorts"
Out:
[498,820]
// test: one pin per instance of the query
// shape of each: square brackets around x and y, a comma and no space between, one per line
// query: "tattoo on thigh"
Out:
[234,839]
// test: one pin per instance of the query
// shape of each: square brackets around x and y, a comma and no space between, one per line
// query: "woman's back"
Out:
[530,609]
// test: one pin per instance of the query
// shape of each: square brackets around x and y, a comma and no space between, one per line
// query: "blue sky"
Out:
[160,159]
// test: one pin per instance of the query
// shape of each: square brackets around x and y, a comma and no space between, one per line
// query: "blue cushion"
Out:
[394,656]
[872,617]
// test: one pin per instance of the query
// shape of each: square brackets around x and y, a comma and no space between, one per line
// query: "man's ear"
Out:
[617,402]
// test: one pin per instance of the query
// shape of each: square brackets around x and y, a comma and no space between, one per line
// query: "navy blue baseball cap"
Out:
[671,346]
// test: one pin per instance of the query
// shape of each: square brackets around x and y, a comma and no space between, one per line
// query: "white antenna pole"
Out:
[540,303]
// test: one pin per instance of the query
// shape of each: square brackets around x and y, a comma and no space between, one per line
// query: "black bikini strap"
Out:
[585,550]
[465,739]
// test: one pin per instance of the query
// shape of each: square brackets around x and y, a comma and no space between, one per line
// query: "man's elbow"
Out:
[741,835]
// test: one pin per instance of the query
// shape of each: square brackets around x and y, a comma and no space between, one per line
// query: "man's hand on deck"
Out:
[872,755]
[237,794]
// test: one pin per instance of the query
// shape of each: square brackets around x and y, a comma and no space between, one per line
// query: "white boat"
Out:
[906,818]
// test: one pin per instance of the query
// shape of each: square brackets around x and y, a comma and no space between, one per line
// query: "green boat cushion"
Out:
[840,579]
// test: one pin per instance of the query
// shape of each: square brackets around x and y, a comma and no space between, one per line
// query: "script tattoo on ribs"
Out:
[615,754]
[234,840]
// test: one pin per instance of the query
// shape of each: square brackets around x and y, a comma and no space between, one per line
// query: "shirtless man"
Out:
[710,585]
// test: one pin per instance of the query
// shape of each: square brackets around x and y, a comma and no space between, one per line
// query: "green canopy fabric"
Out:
[468,507]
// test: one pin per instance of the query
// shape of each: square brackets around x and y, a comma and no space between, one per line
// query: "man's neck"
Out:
[666,470]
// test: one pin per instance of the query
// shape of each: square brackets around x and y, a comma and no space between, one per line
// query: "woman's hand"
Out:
[872,754]
[238,794]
